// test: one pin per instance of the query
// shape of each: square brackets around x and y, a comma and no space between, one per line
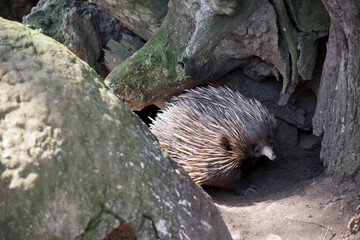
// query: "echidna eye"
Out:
[256,150]
[225,143]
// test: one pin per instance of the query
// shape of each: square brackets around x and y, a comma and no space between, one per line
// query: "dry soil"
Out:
[296,201]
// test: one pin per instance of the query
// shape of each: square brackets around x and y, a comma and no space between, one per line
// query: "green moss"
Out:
[157,8]
[309,15]
[49,19]
[154,65]
[290,36]
[307,44]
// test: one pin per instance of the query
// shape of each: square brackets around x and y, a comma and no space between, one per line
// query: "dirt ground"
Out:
[296,201]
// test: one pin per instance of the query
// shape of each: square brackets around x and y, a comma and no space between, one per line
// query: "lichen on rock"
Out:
[198,43]
[205,40]
[75,162]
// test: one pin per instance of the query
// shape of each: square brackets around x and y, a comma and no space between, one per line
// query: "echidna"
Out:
[214,132]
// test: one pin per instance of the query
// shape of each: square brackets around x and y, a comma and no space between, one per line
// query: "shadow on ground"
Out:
[296,201]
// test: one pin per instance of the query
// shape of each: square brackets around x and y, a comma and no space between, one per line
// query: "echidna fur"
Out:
[213,132]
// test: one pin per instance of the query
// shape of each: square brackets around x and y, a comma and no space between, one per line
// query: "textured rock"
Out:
[298,112]
[141,17]
[258,70]
[117,52]
[15,10]
[309,15]
[200,41]
[308,45]
[338,106]
[61,20]
[308,141]
[196,43]
[80,26]
[286,135]
[76,163]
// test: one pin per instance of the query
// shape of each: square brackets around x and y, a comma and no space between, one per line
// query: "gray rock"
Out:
[357,180]
[308,45]
[286,135]
[200,41]
[63,21]
[15,10]
[76,162]
[142,17]
[197,43]
[308,141]
[81,26]
[117,52]
[298,112]
[305,99]
[258,70]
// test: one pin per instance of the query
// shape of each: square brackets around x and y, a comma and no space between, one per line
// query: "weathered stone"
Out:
[309,15]
[15,10]
[286,135]
[153,71]
[298,112]
[312,19]
[114,54]
[308,45]
[289,34]
[142,17]
[117,52]
[80,26]
[357,179]
[259,70]
[300,46]
[304,98]
[308,141]
[198,43]
[62,21]
[338,107]
[76,163]
[195,44]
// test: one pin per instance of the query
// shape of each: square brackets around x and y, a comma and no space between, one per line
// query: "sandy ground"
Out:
[296,201]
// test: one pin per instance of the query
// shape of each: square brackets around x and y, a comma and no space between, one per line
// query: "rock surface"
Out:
[200,41]
[308,141]
[81,26]
[117,52]
[76,163]
[15,10]
[142,17]
[298,112]
[286,135]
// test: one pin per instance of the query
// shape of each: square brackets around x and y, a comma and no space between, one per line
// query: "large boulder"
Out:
[75,162]
[15,10]
[200,41]
[142,17]
[82,27]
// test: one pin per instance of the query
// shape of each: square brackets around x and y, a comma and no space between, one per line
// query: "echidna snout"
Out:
[268,152]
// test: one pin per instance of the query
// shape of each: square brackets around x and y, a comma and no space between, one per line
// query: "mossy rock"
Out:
[153,71]
[143,17]
[309,15]
[76,163]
